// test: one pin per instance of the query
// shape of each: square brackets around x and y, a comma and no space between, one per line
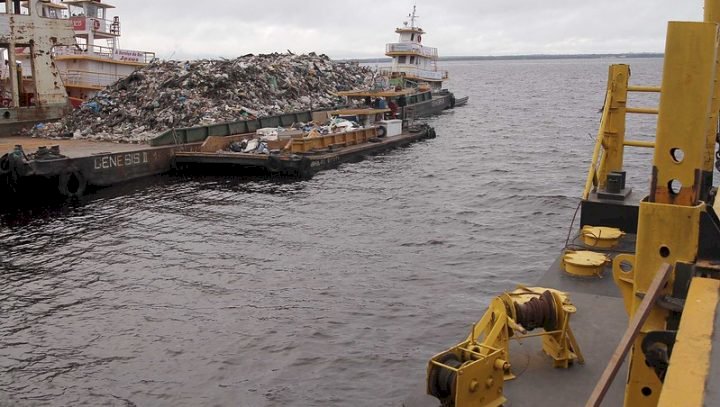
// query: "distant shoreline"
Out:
[521,57]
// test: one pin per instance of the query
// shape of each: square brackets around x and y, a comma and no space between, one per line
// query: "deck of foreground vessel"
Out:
[597,328]
[69,147]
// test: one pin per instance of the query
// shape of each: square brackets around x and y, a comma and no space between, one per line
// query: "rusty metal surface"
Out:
[86,163]
[43,34]
[40,35]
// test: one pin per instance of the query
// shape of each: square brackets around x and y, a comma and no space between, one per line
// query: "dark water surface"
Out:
[328,292]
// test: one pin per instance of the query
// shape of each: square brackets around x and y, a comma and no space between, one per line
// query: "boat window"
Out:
[93,11]
[412,60]
[401,59]
[16,7]
[76,11]
[412,37]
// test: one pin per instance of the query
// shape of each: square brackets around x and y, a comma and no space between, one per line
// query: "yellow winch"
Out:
[473,372]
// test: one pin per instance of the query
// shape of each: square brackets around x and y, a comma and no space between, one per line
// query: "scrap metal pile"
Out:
[174,94]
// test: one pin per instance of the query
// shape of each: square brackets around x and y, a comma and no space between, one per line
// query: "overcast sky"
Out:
[184,29]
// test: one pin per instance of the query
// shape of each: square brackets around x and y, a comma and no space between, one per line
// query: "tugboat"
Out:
[412,87]
[58,42]
[639,281]
[90,65]
[31,90]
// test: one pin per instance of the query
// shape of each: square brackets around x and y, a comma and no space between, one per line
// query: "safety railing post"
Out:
[614,132]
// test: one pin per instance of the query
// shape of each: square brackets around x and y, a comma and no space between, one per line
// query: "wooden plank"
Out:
[358,112]
[628,338]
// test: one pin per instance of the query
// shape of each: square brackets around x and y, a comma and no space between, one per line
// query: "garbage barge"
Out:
[304,150]
[37,167]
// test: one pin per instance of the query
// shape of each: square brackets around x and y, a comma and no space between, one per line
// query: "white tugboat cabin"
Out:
[91,65]
[412,60]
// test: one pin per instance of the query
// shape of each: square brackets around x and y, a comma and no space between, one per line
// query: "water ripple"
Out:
[182,291]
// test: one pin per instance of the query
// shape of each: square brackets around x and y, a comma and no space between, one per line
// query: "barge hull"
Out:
[436,105]
[82,164]
[301,165]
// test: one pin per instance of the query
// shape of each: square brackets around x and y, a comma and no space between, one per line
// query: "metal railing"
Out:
[89,79]
[613,118]
[107,52]
[413,48]
[418,73]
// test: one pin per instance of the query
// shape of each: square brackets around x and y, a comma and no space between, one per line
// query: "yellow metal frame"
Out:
[668,224]
[686,378]
[349,138]
[610,141]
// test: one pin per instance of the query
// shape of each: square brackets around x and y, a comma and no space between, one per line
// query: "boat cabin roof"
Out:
[376,94]
[93,2]
[416,30]
[47,3]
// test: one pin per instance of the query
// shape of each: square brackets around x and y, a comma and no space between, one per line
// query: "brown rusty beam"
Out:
[628,338]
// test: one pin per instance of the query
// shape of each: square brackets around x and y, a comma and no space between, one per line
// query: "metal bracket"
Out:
[657,347]
[667,302]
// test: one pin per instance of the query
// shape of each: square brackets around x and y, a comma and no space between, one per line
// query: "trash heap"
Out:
[175,94]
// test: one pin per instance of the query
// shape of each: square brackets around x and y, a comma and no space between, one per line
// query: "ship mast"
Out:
[412,17]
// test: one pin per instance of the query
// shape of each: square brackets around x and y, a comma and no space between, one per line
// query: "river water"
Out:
[333,291]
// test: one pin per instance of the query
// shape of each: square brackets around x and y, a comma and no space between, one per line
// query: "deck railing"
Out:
[107,52]
[418,73]
[610,142]
[89,79]
[410,47]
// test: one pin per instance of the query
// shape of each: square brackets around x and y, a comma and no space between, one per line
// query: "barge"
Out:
[35,167]
[629,312]
[299,153]
[40,167]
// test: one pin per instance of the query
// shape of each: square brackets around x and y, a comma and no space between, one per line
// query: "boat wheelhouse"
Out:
[97,60]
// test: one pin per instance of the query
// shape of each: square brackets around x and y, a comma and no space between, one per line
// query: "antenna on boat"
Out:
[412,17]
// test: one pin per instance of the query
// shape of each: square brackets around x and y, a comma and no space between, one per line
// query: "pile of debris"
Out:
[174,94]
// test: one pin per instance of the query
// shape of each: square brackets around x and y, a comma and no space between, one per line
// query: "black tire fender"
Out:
[4,164]
[305,168]
[381,131]
[273,164]
[72,183]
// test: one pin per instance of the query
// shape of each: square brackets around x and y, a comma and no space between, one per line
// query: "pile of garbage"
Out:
[175,94]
